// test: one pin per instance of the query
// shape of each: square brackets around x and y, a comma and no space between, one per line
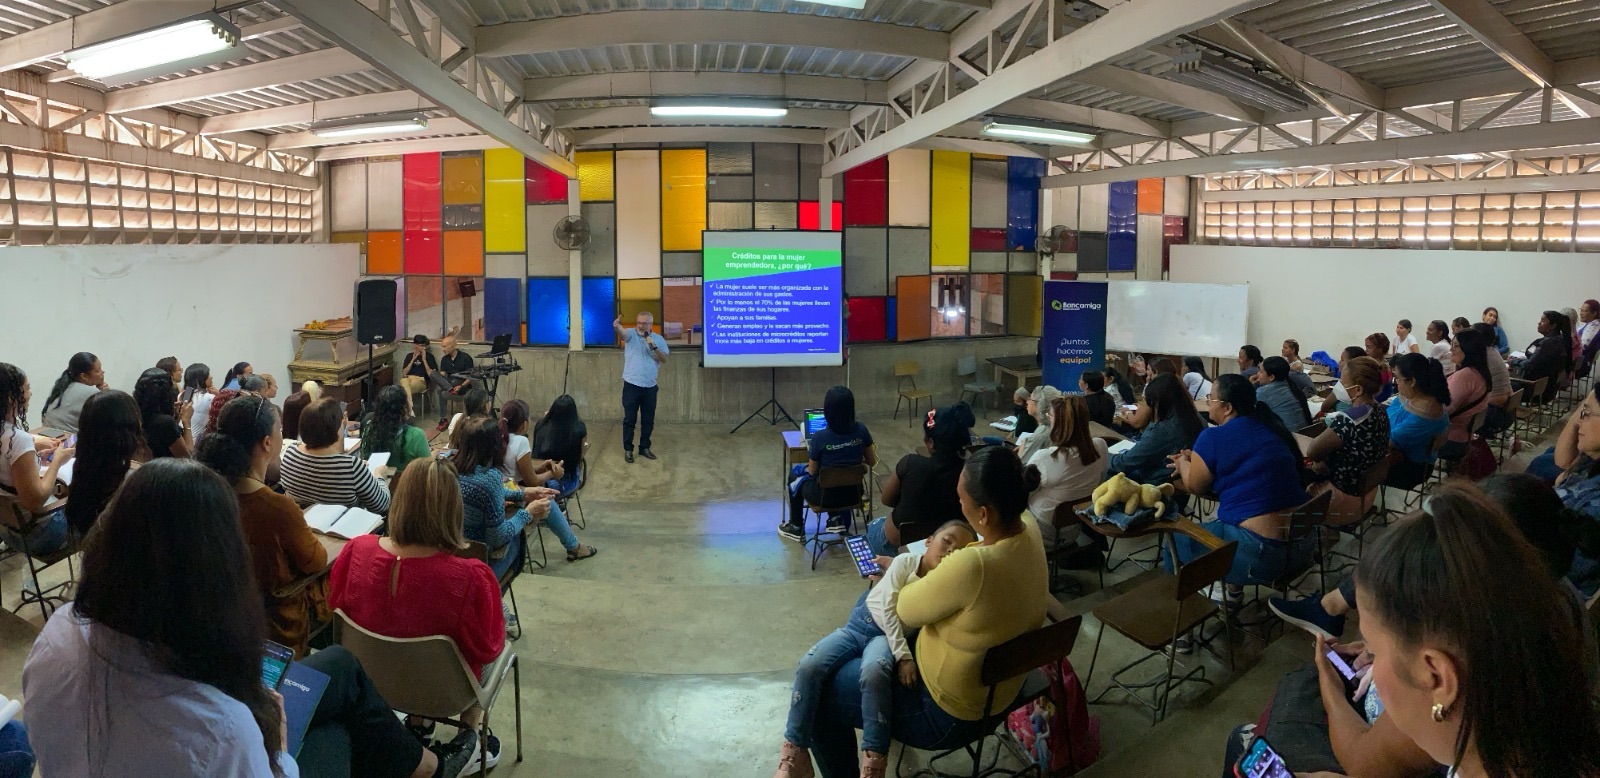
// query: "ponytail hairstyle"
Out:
[513,415]
[1094,380]
[236,371]
[996,478]
[1123,387]
[1558,532]
[196,377]
[80,363]
[110,435]
[1379,342]
[1069,428]
[1366,373]
[1236,390]
[1459,579]
[1428,375]
[170,365]
[1460,322]
[1560,327]
[1294,346]
[949,430]
[1251,354]
[1444,329]
[1278,368]
[228,443]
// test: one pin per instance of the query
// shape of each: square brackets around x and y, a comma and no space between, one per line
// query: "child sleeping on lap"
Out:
[874,634]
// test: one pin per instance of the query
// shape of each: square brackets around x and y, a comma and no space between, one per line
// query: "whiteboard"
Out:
[1167,317]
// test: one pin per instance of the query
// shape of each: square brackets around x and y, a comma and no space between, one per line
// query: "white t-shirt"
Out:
[516,448]
[1587,332]
[1441,352]
[1198,387]
[1064,478]
[201,405]
[1404,346]
[14,445]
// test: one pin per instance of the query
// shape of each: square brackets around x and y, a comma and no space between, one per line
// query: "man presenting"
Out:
[452,364]
[643,352]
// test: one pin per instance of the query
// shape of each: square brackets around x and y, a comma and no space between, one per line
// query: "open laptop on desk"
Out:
[499,348]
[814,422]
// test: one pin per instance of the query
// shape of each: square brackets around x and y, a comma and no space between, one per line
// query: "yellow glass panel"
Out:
[630,310]
[951,209]
[639,289]
[596,174]
[683,198]
[463,179]
[350,237]
[503,209]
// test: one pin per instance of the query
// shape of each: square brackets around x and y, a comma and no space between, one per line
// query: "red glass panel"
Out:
[422,201]
[989,239]
[869,320]
[544,185]
[810,212]
[866,193]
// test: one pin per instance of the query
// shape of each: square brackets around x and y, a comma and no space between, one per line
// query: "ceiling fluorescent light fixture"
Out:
[1026,132]
[856,4]
[375,124]
[161,50]
[1465,157]
[712,110]
[1215,73]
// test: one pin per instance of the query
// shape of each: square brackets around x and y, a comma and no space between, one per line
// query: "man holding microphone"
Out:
[643,351]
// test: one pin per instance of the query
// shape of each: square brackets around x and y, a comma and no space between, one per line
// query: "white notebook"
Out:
[342,521]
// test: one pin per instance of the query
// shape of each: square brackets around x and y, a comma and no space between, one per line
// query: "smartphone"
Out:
[72,440]
[1261,762]
[863,555]
[275,663]
[187,395]
[1342,666]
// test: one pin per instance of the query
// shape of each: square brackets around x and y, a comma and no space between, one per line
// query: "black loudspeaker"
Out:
[374,311]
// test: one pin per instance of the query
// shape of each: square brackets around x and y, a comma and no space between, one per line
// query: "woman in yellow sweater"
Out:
[976,599]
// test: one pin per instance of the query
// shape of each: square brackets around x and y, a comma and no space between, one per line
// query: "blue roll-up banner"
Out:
[1074,331]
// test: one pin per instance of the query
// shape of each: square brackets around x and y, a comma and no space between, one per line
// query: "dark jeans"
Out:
[811,491]
[353,732]
[16,756]
[915,720]
[638,401]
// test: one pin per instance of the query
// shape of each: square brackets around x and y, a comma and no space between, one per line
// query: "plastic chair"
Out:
[830,479]
[1155,615]
[480,552]
[906,373]
[968,366]
[39,563]
[1022,655]
[427,677]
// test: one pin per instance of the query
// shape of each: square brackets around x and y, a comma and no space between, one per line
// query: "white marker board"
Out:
[1167,317]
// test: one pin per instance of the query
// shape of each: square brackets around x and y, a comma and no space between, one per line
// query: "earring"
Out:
[1438,713]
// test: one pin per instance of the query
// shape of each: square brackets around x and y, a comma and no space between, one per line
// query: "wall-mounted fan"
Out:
[572,233]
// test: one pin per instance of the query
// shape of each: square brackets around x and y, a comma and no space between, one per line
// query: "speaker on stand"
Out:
[374,321]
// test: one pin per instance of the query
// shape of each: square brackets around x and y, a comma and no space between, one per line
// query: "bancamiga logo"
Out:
[1058,305]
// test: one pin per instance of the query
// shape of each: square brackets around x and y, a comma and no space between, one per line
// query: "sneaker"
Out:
[1226,597]
[838,526]
[423,731]
[793,762]
[873,764]
[511,619]
[491,751]
[1308,615]
[455,755]
[443,423]
[1183,645]
[794,532]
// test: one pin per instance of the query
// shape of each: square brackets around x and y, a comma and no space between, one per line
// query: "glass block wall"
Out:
[936,243]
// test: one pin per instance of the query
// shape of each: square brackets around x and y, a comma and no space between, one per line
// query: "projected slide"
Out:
[773,299]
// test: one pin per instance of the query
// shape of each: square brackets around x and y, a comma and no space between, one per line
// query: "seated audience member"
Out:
[1069,469]
[1355,441]
[921,491]
[1102,406]
[453,365]
[1469,391]
[1332,402]
[1174,427]
[1377,346]
[1578,455]
[388,428]
[165,434]
[1589,324]
[485,496]
[110,440]
[1500,387]
[1417,417]
[519,465]
[270,391]
[218,402]
[417,369]
[1162,366]
[1571,315]
[412,583]
[238,371]
[82,379]
[1118,387]
[1249,360]
[155,669]
[253,384]
[1491,317]
[21,477]
[1252,463]
[1195,380]
[172,367]
[282,548]
[1405,340]
[476,403]
[1290,351]
[1458,324]
[1283,396]
[1030,443]
[312,388]
[873,635]
[844,442]
[562,437]
[1438,335]
[318,471]
[978,597]
[198,392]
[1019,408]
[294,405]
[1550,356]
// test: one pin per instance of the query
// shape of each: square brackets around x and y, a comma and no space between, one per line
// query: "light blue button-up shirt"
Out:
[638,367]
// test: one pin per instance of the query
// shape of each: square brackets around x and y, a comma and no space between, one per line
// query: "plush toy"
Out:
[1131,495]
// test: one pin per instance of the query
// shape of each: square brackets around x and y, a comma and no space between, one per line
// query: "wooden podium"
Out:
[339,363]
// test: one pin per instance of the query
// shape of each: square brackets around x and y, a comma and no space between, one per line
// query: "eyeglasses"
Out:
[1585,413]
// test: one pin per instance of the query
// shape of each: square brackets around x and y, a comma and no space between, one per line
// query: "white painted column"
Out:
[1047,214]
[574,277]
[825,203]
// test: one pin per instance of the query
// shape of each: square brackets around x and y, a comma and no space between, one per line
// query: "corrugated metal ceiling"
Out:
[915,13]
[723,57]
[1563,29]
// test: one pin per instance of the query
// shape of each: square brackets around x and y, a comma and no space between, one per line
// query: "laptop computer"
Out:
[814,422]
[499,348]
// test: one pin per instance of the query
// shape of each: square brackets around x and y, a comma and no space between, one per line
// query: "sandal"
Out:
[571,557]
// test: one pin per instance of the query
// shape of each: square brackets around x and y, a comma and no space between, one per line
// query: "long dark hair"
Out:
[80,363]
[1236,390]
[950,429]
[195,603]
[155,396]
[196,376]
[839,409]
[556,435]
[12,406]
[228,443]
[480,445]
[1561,327]
[1251,354]
[1427,373]
[386,422]
[1554,529]
[1441,577]
[996,478]
[110,435]
[1278,368]
[1195,365]
[1474,354]
[234,372]
[1168,399]
[1123,387]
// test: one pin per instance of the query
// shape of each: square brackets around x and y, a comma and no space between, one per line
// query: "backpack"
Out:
[1071,739]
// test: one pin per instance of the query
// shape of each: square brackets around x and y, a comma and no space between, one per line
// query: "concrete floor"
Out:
[672,652]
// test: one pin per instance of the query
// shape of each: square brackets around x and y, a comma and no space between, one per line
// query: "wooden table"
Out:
[1023,366]
[1168,529]
[794,453]
[1098,430]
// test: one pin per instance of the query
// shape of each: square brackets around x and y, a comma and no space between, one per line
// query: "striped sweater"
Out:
[333,479]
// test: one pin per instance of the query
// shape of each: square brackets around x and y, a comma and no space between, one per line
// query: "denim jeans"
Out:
[877,540]
[48,535]
[859,639]
[566,485]
[16,756]
[1544,466]
[557,522]
[513,557]
[1258,560]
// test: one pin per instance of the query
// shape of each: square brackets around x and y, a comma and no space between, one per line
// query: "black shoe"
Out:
[423,731]
[455,755]
[794,532]
[647,453]
[492,749]
[628,455]
[838,526]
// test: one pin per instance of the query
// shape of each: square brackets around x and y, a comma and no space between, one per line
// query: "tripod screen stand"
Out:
[772,403]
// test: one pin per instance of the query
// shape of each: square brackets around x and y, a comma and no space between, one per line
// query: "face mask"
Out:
[1341,394]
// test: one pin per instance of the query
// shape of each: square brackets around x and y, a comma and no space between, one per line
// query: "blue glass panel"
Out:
[893,320]
[599,311]
[548,311]
[1122,222]
[502,308]
[1023,177]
